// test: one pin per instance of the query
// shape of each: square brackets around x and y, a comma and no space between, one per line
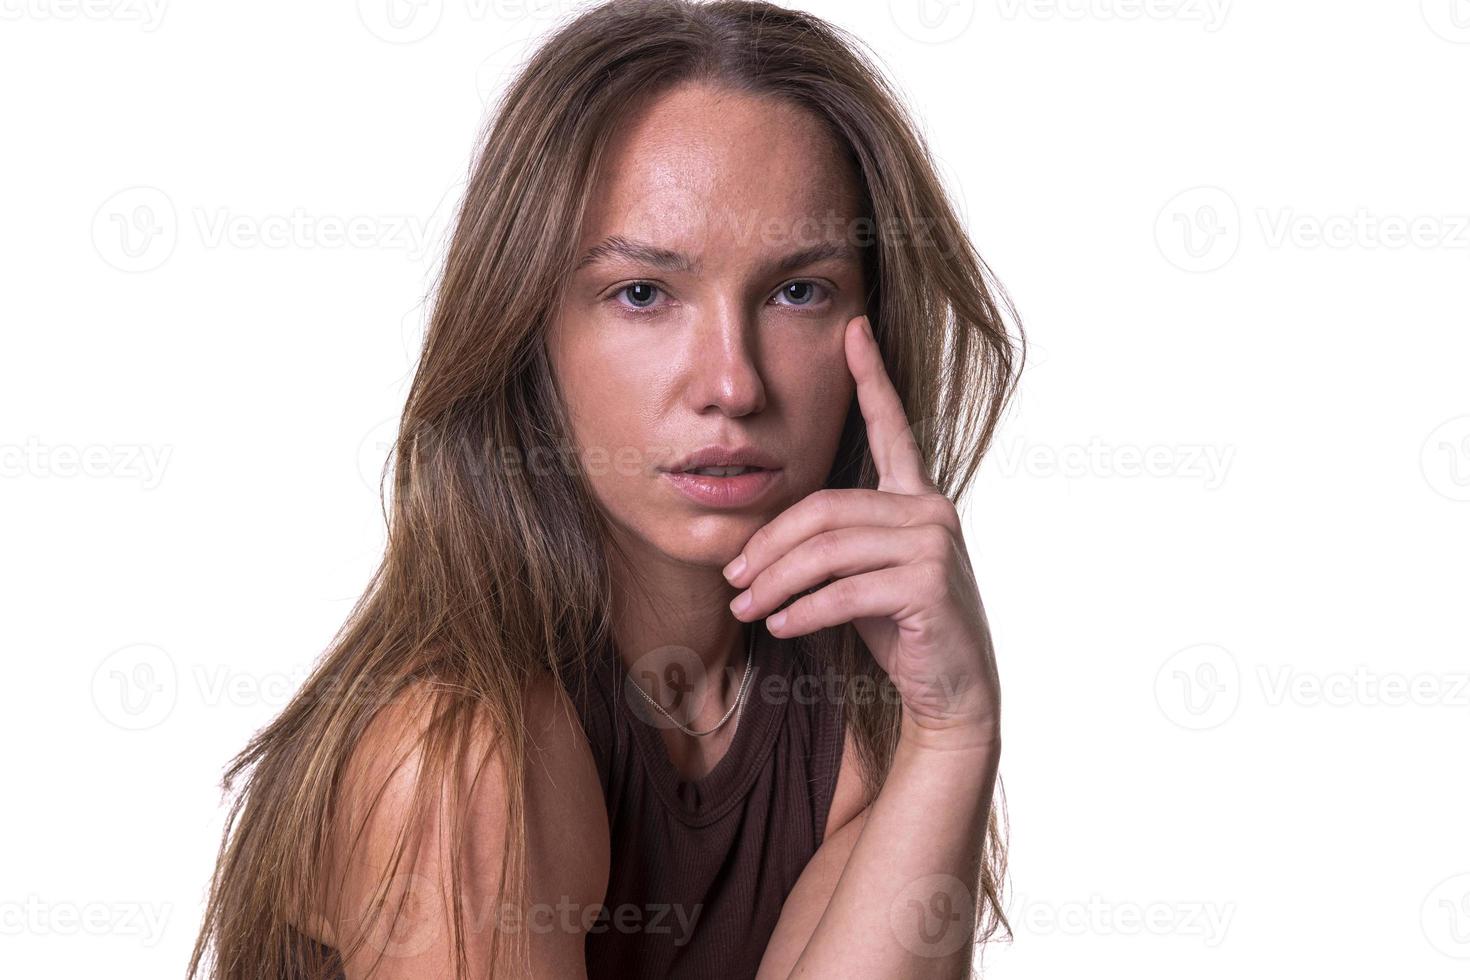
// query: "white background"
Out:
[1222,537]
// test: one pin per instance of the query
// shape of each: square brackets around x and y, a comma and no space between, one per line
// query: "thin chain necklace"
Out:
[735,705]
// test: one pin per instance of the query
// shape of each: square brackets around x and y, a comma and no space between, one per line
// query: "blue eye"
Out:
[642,287]
[803,290]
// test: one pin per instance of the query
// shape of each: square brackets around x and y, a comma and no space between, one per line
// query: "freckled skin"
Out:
[724,353]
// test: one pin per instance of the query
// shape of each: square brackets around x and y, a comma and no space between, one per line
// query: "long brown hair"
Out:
[494,575]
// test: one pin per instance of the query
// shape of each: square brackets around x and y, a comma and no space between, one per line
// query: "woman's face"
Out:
[693,321]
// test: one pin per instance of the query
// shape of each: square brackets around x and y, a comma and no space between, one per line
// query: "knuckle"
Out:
[826,545]
[933,579]
[937,542]
[841,593]
[797,614]
[767,583]
[942,512]
[824,503]
[756,543]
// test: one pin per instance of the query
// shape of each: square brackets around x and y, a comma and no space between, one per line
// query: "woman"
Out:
[674,664]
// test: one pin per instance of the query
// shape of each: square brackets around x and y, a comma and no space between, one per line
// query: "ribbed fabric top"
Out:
[700,868]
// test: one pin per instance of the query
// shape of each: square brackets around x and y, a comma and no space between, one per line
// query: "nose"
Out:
[724,371]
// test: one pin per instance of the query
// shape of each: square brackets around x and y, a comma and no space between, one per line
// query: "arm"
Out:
[897,568]
[892,893]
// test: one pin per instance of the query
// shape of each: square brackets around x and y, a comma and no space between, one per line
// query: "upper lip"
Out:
[726,456]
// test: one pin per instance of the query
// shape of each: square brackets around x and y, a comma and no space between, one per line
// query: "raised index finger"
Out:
[891,441]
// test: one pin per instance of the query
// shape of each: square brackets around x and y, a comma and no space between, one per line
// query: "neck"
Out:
[677,638]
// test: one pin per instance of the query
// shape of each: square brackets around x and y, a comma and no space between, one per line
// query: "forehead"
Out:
[721,172]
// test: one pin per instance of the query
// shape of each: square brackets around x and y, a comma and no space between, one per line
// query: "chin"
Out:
[710,539]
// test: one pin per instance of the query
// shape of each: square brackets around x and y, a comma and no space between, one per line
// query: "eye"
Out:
[641,298]
[640,294]
[803,293]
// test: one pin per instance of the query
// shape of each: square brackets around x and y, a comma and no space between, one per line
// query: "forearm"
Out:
[905,903]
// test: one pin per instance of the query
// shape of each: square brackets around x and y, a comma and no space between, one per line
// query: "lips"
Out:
[725,491]
[725,470]
[746,456]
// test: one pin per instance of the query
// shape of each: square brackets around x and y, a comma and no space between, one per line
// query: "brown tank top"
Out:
[700,868]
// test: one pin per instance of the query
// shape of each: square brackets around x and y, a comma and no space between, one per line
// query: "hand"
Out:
[898,570]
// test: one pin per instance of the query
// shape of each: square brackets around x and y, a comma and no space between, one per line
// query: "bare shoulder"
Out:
[387,781]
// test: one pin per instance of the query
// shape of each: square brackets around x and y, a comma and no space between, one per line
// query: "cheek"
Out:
[608,423]
[598,385]
[611,408]
[818,392]
[814,373]
[604,427]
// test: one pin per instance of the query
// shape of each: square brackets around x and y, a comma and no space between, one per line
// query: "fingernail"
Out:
[776,621]
[733,570]
[867,327]
[741,602]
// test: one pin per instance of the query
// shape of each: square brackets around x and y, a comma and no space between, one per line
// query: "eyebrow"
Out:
[671,261]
